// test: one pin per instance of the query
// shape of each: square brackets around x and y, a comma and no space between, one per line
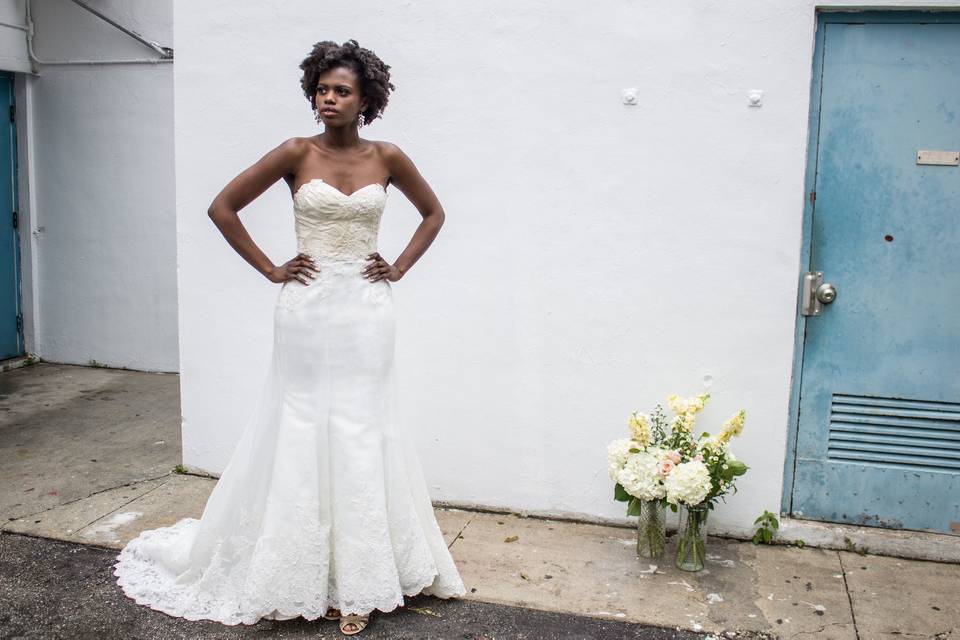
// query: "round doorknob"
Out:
[826,293]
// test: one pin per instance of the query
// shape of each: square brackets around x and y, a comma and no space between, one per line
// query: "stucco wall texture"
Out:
[596,256]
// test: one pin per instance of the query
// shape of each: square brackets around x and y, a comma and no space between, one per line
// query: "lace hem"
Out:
[148,584]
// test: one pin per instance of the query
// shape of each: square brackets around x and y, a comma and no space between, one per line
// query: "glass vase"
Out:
[651,529]
[692,538]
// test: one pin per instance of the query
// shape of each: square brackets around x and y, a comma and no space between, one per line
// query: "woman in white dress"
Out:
[323,508]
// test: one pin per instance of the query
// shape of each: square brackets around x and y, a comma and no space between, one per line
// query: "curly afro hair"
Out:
[372,72]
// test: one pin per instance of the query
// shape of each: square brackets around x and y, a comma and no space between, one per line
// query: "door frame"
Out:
[824,17]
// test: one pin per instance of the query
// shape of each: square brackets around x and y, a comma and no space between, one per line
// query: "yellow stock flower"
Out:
[682,422]
[690,405]
[678,404]
[733,426]
[640,428]
[697,403]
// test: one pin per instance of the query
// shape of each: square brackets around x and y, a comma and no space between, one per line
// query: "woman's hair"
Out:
[372,72]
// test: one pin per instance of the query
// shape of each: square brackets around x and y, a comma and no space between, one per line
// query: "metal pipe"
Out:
[22,27]
[166,52]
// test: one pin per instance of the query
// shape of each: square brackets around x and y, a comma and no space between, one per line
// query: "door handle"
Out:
[826,293]
[815,293]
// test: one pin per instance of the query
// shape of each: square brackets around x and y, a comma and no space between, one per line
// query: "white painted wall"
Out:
[97,186]
[13,41]
[596,256]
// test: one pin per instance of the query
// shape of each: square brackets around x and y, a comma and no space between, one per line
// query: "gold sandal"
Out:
[332,614]
[360,621]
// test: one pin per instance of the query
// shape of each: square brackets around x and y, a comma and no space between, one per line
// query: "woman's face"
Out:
[338,96]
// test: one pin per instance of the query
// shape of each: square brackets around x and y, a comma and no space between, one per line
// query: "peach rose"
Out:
[665,467]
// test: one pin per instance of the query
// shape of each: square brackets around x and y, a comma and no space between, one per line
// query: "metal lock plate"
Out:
[815,293]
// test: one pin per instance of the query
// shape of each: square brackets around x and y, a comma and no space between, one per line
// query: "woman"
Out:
[323,509]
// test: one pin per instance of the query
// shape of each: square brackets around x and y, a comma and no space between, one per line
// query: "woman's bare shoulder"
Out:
[385,148]
[391,154]
[297,144]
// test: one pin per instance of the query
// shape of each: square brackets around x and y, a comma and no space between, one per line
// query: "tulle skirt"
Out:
[323,502]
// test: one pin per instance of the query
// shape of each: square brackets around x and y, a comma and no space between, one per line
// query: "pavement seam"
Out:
[846,587]
[64,504]
[134,499]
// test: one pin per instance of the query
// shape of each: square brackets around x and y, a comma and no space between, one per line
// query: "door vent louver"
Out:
[914,434]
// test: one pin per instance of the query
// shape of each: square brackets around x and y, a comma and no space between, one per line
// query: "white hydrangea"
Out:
[688,483]
[617,453]
[640,476]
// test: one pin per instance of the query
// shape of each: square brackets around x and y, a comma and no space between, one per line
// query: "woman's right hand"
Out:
[299,268]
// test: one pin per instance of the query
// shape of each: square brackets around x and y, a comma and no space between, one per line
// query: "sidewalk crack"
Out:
[64,504]
[846,587]
[134,499]
[817,631]
[462,529]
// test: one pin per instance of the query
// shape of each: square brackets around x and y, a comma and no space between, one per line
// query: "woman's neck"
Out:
[340,139]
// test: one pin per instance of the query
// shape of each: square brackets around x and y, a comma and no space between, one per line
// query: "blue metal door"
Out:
[878,430]
[11,331]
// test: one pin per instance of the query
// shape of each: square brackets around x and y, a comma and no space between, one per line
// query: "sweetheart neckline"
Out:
[372,184]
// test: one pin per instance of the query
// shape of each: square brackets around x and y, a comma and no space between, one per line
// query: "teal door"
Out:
[878,422]
[11,323]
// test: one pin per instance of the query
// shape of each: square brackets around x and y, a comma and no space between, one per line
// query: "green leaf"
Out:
[762,536]
[633,509]
[620,494]
[736,468]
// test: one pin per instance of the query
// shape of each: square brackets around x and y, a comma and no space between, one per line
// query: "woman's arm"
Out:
[241,191]
[407,178]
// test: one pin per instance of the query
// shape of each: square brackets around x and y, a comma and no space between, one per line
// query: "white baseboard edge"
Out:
[914,545]
[898,543]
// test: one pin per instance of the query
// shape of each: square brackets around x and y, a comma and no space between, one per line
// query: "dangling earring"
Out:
[361,121]
[316,116]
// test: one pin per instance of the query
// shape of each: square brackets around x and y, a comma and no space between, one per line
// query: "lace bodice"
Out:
[334,227]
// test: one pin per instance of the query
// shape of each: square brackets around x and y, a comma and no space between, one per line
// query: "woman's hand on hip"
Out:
[299,268]
[380,269]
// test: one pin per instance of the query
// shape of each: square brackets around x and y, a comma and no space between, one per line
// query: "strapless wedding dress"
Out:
[323,502]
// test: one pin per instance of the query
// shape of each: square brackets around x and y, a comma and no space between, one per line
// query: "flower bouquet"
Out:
[706,472]
[662,464]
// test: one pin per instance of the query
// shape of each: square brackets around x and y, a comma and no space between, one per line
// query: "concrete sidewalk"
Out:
[87,456]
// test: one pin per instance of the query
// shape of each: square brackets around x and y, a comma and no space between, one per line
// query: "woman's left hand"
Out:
[380,269]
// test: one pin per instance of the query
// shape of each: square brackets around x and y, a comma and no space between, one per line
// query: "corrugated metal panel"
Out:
[917,434]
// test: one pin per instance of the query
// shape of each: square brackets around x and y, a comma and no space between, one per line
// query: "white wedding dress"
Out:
[323,502]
